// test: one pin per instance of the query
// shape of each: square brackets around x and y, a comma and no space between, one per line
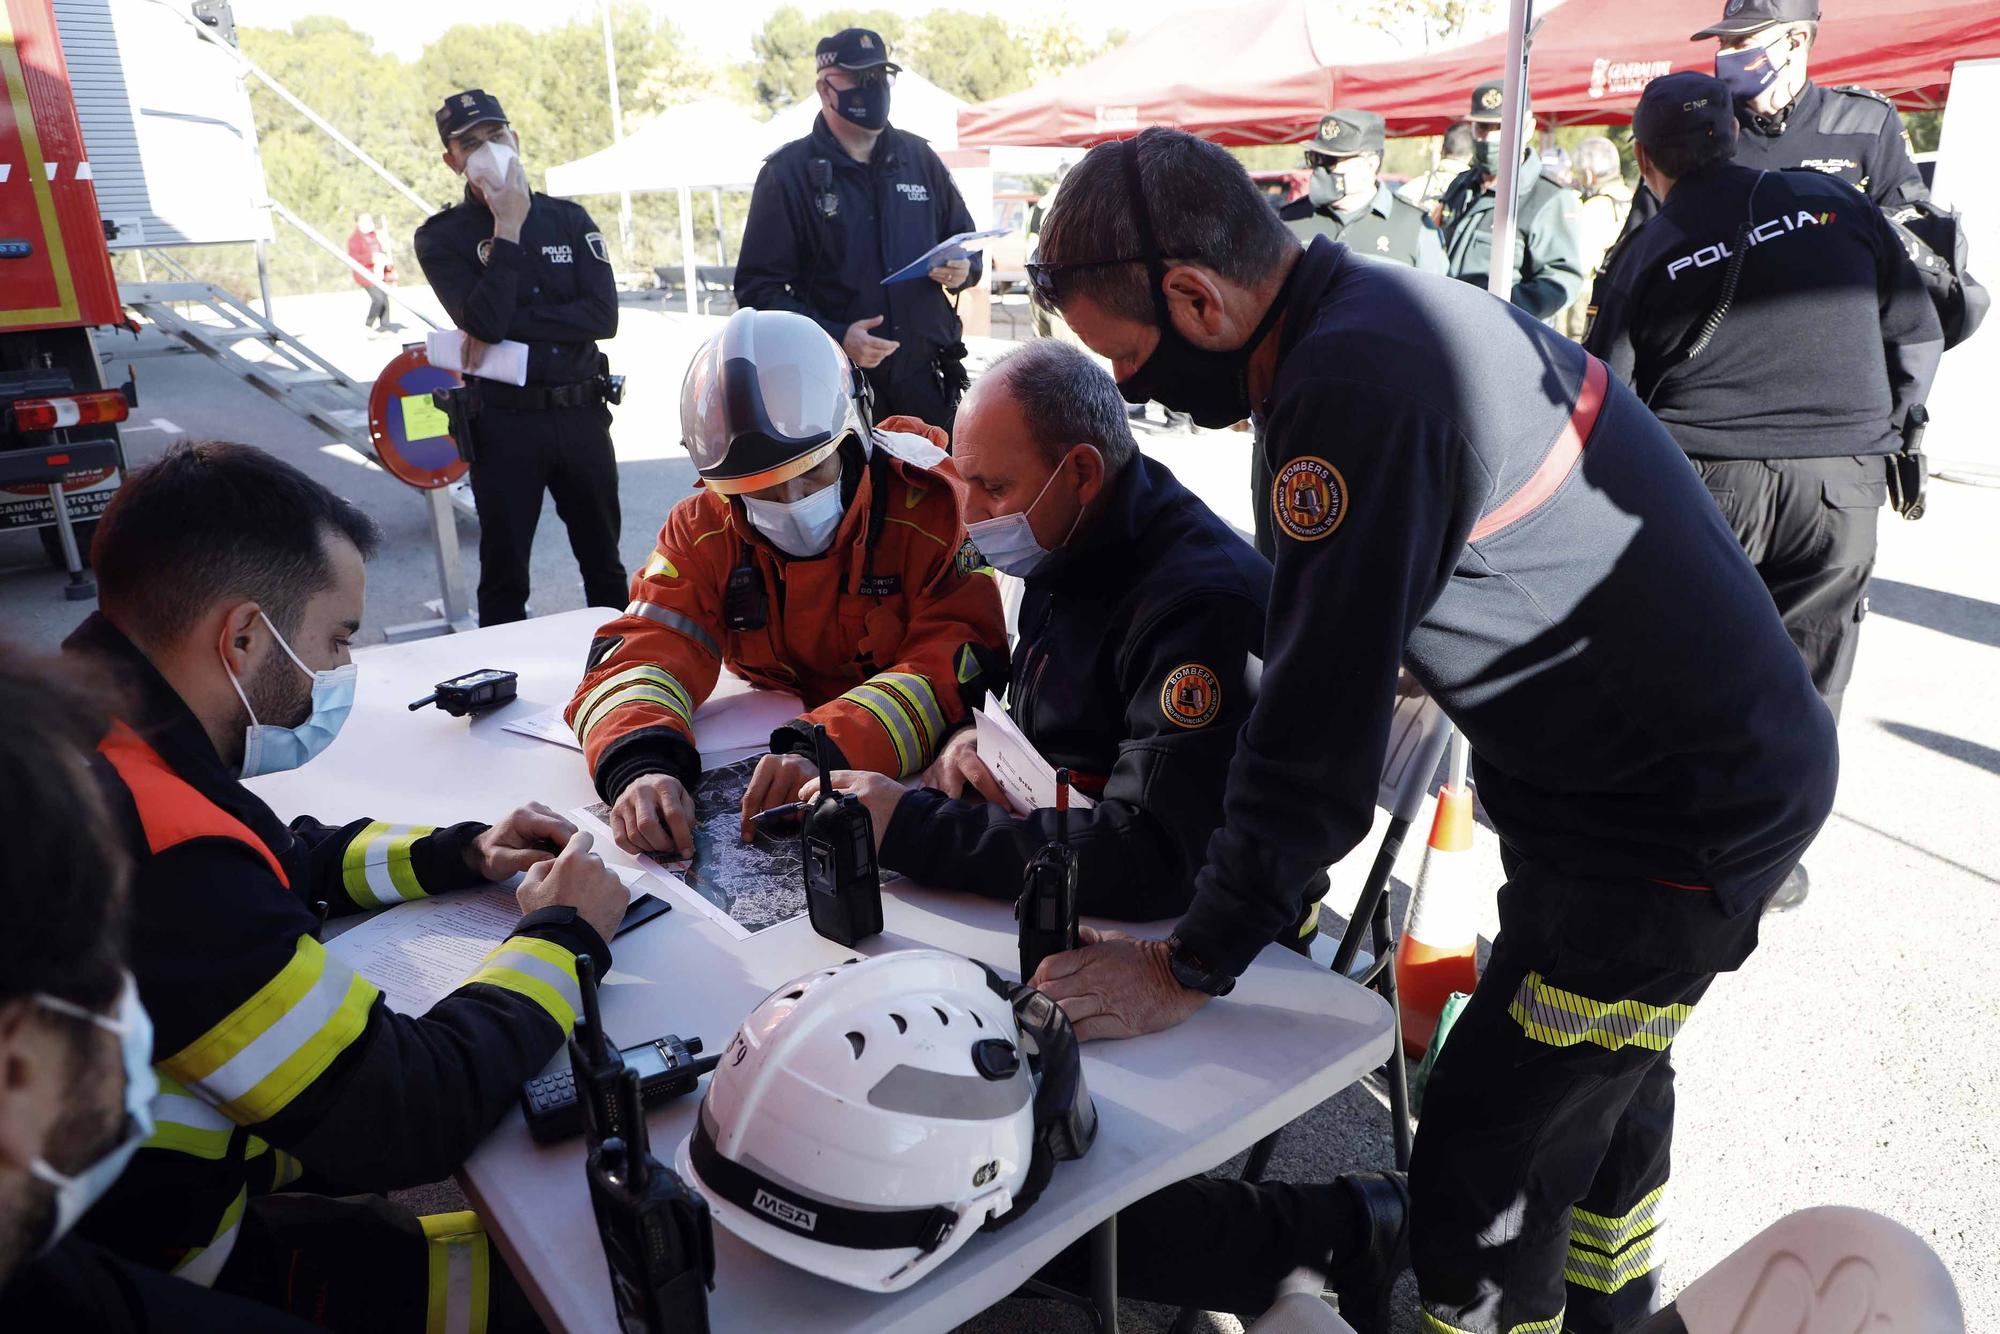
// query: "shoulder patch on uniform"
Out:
[1192,696]
[1309,498]
[485,250]
[968,560]
[595,240]
[657,564]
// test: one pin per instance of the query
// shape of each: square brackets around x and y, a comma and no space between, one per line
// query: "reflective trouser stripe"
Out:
[642,682]
[543,972]
[252,1064]
[460,1270]
[1430,1324]
[203,1263]
[375,870]
[1563,1018]
[1607,1273]
[1614,1234]
[674,620]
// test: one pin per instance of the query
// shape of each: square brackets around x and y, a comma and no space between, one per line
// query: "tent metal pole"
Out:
[686,197]
[1513,117]
[721,245]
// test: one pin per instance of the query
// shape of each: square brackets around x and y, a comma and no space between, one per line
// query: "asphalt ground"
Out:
[1851,1061]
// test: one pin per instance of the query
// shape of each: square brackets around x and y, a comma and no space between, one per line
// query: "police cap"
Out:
[853,49]
[1487,99]
[1687,107]
[462,111]
[1343,133]
[1742,16]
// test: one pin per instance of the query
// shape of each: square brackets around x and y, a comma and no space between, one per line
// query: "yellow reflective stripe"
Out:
[674,620]
[921,703]
[1562,1018]
[1430,1324]
[908,711]
[543,972]
[253,1063]
[1614,1234]
[888,711]
[599,701]
[460,1270]
[673,702]
[286,1170]
[183,1123]
[1608,1273]
[203,1263]
[375,869]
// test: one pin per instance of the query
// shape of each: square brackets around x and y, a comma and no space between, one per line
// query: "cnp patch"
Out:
[595,240]
[1309,499]
[1192,696]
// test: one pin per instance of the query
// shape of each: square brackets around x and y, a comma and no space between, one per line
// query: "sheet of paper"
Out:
[1028,780]
[547,725]
[422,951]
[960,246]
[505,361]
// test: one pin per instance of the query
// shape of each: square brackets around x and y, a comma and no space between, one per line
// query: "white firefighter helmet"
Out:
[766,399]
[868,1119]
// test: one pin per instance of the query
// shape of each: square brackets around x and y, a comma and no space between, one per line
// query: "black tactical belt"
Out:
[537,397]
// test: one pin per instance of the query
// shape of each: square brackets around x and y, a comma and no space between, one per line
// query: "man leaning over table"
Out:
[824,555]
[230,587]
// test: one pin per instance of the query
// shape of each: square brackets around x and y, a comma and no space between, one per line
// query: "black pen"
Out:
[791,810]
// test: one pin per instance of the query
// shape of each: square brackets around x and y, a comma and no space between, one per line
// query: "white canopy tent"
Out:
[716,145]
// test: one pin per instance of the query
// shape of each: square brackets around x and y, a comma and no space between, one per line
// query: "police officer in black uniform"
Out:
[508,264]
[1345,200]
[1548,257]
[1466,494]
[1816,349]
[839,210]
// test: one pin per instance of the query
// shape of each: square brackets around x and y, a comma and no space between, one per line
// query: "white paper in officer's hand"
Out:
[1026,779]
[505,361]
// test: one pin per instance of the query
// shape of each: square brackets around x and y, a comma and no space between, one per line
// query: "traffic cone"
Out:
[1437,954]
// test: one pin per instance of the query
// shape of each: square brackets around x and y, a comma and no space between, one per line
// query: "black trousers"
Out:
[1808,525]
[518,455]
[378,308]
[1539,1171]
[919,393]
[368,1265]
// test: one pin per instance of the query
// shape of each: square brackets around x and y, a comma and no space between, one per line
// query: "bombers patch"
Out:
[1192,696]
[1309,499]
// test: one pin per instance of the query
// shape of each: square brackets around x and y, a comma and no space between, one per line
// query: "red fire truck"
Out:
[59,447]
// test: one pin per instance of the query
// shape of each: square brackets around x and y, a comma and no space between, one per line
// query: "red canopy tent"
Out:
[1254,74]
[1241,74]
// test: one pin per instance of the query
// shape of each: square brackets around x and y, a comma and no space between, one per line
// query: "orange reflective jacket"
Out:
[890,638]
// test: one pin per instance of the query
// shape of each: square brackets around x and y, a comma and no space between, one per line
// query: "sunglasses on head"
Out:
[1043,283]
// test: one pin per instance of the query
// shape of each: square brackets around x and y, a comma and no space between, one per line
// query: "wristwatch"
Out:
[1192,973]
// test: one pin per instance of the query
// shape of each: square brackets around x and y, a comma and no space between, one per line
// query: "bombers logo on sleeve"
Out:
[1309,498]
[1192,696]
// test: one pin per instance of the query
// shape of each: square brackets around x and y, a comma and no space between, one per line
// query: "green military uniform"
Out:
[1548,255]
[1385,227]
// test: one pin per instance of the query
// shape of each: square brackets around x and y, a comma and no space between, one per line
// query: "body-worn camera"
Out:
[1047,908]
[843,885]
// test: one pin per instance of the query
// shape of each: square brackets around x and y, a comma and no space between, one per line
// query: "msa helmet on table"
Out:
[768,398]
[868,1119]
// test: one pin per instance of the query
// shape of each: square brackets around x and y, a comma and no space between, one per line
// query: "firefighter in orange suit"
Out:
[822,556]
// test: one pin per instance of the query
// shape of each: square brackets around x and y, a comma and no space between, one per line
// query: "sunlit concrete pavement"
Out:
[1850,1062]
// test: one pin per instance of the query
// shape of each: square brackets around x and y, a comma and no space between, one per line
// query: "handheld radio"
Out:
[658,1240]
[843,887]
[487,688]
[667,1068]
[595,1065]
[1047,906]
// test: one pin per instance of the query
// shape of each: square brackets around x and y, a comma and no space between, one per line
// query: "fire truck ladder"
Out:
[230,333]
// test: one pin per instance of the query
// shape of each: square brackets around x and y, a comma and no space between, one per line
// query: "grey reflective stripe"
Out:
[673,620]
[920,1092]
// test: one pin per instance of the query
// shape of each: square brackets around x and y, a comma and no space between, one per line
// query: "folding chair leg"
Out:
[1399,1065]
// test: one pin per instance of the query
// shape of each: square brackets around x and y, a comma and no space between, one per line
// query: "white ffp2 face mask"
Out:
[803,527]
[487,165]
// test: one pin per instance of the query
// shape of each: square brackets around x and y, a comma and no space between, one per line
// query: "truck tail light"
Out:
[61,410]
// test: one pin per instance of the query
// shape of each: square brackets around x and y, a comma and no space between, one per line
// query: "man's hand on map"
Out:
[654,814]
[532,834]
[776,780]
[576,879]
[879,794]
[958,767]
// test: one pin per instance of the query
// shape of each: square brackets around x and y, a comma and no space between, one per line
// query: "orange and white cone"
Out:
[1437,954]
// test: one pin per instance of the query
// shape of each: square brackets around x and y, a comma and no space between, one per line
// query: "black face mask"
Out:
[1213,388]
[866,105]
[1486,155]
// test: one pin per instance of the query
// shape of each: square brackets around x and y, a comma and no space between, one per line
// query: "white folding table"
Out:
[1170,1105]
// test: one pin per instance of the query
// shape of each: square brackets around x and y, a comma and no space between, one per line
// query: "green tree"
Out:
[973,56]
[1428,23]
[781,68]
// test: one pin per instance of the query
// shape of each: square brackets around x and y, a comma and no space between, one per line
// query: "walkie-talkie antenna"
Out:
[1062,806]
[819,758]
[632,1118]
[586,985]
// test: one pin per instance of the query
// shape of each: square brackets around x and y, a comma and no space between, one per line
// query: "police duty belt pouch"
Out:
[867,1119]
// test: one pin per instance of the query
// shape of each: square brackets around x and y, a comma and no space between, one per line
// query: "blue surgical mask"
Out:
[75,1194]
[1750,71]
[270,749]
[803,527]
[866,105]
[1008,541]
